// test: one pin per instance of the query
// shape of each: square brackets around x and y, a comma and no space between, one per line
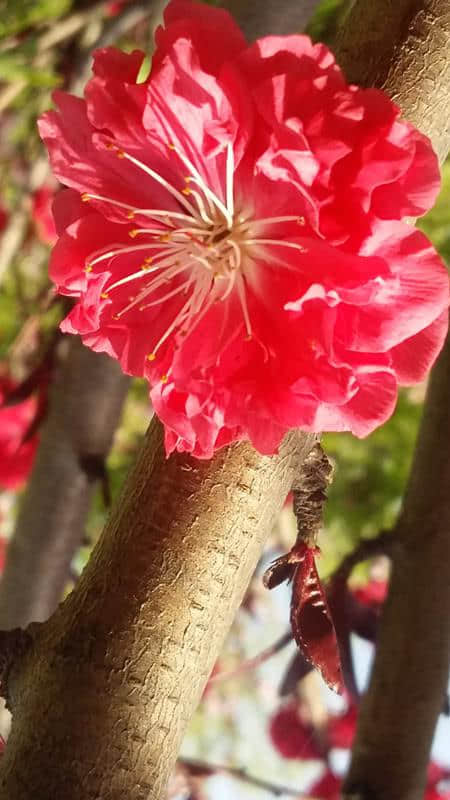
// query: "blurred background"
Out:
[266,726]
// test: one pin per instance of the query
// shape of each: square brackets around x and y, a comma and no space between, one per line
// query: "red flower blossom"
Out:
[16,453]
[233,232]
[372,593]
[292,737]
[3,218]
[328,787]
[42,213]
[341,730]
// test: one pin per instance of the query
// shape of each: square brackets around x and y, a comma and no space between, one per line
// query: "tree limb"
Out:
[138,636]
[85,406]
[403,47]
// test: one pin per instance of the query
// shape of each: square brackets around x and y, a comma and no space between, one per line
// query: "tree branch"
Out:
[85,407]
[403,47]
[137,638]
[410,672]
[200,769]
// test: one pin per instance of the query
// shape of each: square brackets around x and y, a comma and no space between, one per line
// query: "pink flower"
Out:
[115,7]
[234,233]
[16,450]
[42,201]
[372,593]
[328,787]
[3,218]
[341,730]
[292,737]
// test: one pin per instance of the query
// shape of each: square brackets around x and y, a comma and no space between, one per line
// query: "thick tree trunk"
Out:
[101,700]
[408,54]
[85,406]
[103,694]
[410,673]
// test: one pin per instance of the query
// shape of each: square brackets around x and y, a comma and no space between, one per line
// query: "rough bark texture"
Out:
[403,47]
[262,17]
[410,673]
[85,407]
[101,700]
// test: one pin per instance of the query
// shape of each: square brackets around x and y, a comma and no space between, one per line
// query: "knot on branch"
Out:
[13,646]
[310,494]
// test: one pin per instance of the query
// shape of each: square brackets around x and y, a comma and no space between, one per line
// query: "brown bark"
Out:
[85,406]
[404,48]
[262,17]
[410,673]
[101,700]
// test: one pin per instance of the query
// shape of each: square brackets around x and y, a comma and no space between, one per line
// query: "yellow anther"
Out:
[85,197]
[130,215]
[88,268]
[110,146]
[186,191]
[133,232]
[188,179]
[164,378]
[120,153]
[171,146]
[151,356]
[166,237]
[104,295]
[148,260]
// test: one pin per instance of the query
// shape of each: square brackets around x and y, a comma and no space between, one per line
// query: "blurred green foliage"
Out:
[18,15]
[326,20]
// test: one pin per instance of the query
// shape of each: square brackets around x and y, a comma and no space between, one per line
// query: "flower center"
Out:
[201,251]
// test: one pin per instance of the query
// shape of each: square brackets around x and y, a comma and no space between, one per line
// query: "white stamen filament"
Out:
[159,179]
[208,244]
[278,242]
[197,178]
[229,180]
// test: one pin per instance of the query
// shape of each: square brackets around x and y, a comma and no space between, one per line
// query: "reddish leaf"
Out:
[279,571]
[312,625]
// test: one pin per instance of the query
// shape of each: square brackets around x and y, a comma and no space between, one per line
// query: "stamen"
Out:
[159,179]
[197,178]
[230,176]
[277,242]
[276,220]
[123,251]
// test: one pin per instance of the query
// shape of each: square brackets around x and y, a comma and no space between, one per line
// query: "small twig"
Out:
[367,548]
[200,769]
[252,663]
